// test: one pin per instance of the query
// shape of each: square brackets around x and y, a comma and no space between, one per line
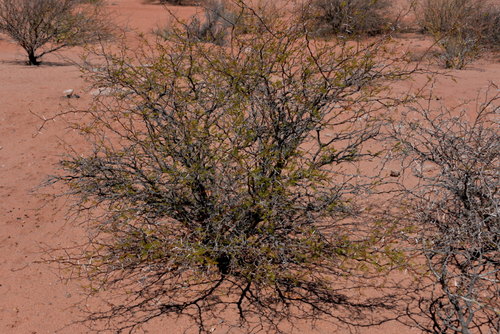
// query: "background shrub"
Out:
[212,26]
[446,15]
[348,16]
[44,26]
[175,2]
[491,27]
[462,28]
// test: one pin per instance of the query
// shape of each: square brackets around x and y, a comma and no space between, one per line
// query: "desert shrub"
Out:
[227,179]
[459,48]
[461,28]
[447,15]
[491,28]
[452,24]
[44,26]
[454,156]
[213,26]
[180,2]
[348,16]
[173,2]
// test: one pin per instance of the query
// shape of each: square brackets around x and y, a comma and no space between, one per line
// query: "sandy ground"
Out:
[32,297]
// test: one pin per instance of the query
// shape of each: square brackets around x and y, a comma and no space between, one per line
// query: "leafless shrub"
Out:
[44,26]
[455,206]
[226,180]
[348,16]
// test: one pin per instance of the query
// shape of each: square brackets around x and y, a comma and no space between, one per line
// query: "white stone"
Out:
[68,93]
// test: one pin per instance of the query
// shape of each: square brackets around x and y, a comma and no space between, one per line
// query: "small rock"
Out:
[394,173]
[68,93]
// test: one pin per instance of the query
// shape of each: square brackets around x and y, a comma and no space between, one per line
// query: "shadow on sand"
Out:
[42,64]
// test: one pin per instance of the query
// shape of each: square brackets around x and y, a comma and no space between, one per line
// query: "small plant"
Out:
[348,16]
[45,26]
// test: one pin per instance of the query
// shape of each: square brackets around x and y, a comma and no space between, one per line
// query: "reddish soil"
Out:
[33,299]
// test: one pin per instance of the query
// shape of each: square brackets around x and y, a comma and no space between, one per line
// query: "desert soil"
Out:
[33,298]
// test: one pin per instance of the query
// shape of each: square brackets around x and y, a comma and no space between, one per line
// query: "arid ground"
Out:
[33,298]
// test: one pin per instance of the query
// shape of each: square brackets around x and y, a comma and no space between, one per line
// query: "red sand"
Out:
[32,297]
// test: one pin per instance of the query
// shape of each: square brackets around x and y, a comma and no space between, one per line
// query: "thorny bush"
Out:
[227,179]
[454,156]
[41,27]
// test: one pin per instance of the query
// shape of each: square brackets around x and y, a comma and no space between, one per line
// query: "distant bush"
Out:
[348,16]
[44,26]
[180,2]
[459,48]
[491,27]
[218,17]
[446,15]
[213,28]
[461,28]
